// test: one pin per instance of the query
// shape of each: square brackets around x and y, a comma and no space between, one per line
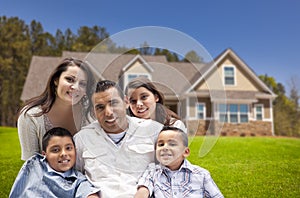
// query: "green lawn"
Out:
[241,166]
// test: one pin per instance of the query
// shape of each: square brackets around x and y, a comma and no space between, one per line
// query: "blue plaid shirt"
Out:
[189,181]
[37,179]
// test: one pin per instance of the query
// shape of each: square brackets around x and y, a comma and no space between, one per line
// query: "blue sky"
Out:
[264,33]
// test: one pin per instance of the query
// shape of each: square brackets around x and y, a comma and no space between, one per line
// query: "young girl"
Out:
[147,102]
[64,103]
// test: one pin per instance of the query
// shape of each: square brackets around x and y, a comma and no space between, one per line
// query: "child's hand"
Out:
[95,195]
[142,192]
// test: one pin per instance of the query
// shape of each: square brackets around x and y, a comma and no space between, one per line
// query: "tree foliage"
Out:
[19,42]
[193,57]
[285,109]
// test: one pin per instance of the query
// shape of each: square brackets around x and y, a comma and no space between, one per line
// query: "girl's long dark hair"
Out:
[47,98]
[163,115]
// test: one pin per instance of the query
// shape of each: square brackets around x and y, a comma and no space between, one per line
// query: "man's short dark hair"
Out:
[56,131]
[104,85]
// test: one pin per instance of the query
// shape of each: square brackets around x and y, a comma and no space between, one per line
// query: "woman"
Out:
[64,103]
[147,102]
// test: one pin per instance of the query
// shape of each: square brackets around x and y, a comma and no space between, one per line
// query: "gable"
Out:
[244,78]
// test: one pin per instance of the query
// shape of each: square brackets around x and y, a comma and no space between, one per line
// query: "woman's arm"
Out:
[28,131]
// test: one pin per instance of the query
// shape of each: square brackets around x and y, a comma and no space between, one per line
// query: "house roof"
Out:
[38,73]
[174,79]
[210,67]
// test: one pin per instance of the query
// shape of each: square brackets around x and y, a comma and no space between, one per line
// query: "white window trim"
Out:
[234,74]
[228,114]
[204,110]
[126,81]
[262,111]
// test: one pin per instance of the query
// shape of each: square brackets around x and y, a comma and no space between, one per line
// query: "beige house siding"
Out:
[242,79]
[137,67]
[192,108]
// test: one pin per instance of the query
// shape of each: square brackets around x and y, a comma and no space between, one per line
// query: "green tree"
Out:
[171,57]
[15,55]
[42,43]
[193,57]
[88,38]
[295,110]
[283,109]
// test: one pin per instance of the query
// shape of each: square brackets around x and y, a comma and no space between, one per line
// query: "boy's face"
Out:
[170,150]
[60,153]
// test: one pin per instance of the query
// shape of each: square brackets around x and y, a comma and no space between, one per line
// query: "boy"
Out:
[175,176]
[52,174]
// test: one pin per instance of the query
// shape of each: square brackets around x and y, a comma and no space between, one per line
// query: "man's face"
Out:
[110,110]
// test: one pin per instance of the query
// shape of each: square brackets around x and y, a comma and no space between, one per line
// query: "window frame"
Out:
[203,111]
[233,76]
[226,113]
[256,113]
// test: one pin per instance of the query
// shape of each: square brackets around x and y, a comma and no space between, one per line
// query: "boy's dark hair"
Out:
[104,85]
[56,131]
[183,135]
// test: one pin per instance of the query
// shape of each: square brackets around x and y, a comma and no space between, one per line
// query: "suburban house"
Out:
[223,97]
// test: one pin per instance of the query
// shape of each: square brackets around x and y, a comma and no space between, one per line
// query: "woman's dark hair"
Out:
[56,131]
[163,115]
[47,98]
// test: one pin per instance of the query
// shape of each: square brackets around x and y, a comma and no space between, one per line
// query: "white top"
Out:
[179,124]
[31,130]
[116,169]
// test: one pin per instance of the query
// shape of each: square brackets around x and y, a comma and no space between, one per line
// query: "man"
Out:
[114,151]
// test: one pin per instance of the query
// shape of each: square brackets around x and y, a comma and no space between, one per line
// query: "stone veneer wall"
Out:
[252,128]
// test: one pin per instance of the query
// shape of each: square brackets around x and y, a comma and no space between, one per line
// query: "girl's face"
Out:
[142,102]
[71,85]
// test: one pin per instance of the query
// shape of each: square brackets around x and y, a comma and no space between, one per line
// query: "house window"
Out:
[233,113]
[244,113]
[201,111]
[229,75]
[130,77]
[223,113]
[259,112]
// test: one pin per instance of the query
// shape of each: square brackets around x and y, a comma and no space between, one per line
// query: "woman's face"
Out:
[142,102]
[71,85]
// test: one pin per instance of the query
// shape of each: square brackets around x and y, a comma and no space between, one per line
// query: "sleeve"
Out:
[79,151]
[28,176]
[85,188]
[28,131]
[147,179]
[210,187]
[20,182]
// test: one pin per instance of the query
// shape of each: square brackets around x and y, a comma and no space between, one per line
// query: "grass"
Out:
[252,166]
[240,166]
[10,162]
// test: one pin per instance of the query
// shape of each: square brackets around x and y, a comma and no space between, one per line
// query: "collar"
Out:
[69,173]
[186,165]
